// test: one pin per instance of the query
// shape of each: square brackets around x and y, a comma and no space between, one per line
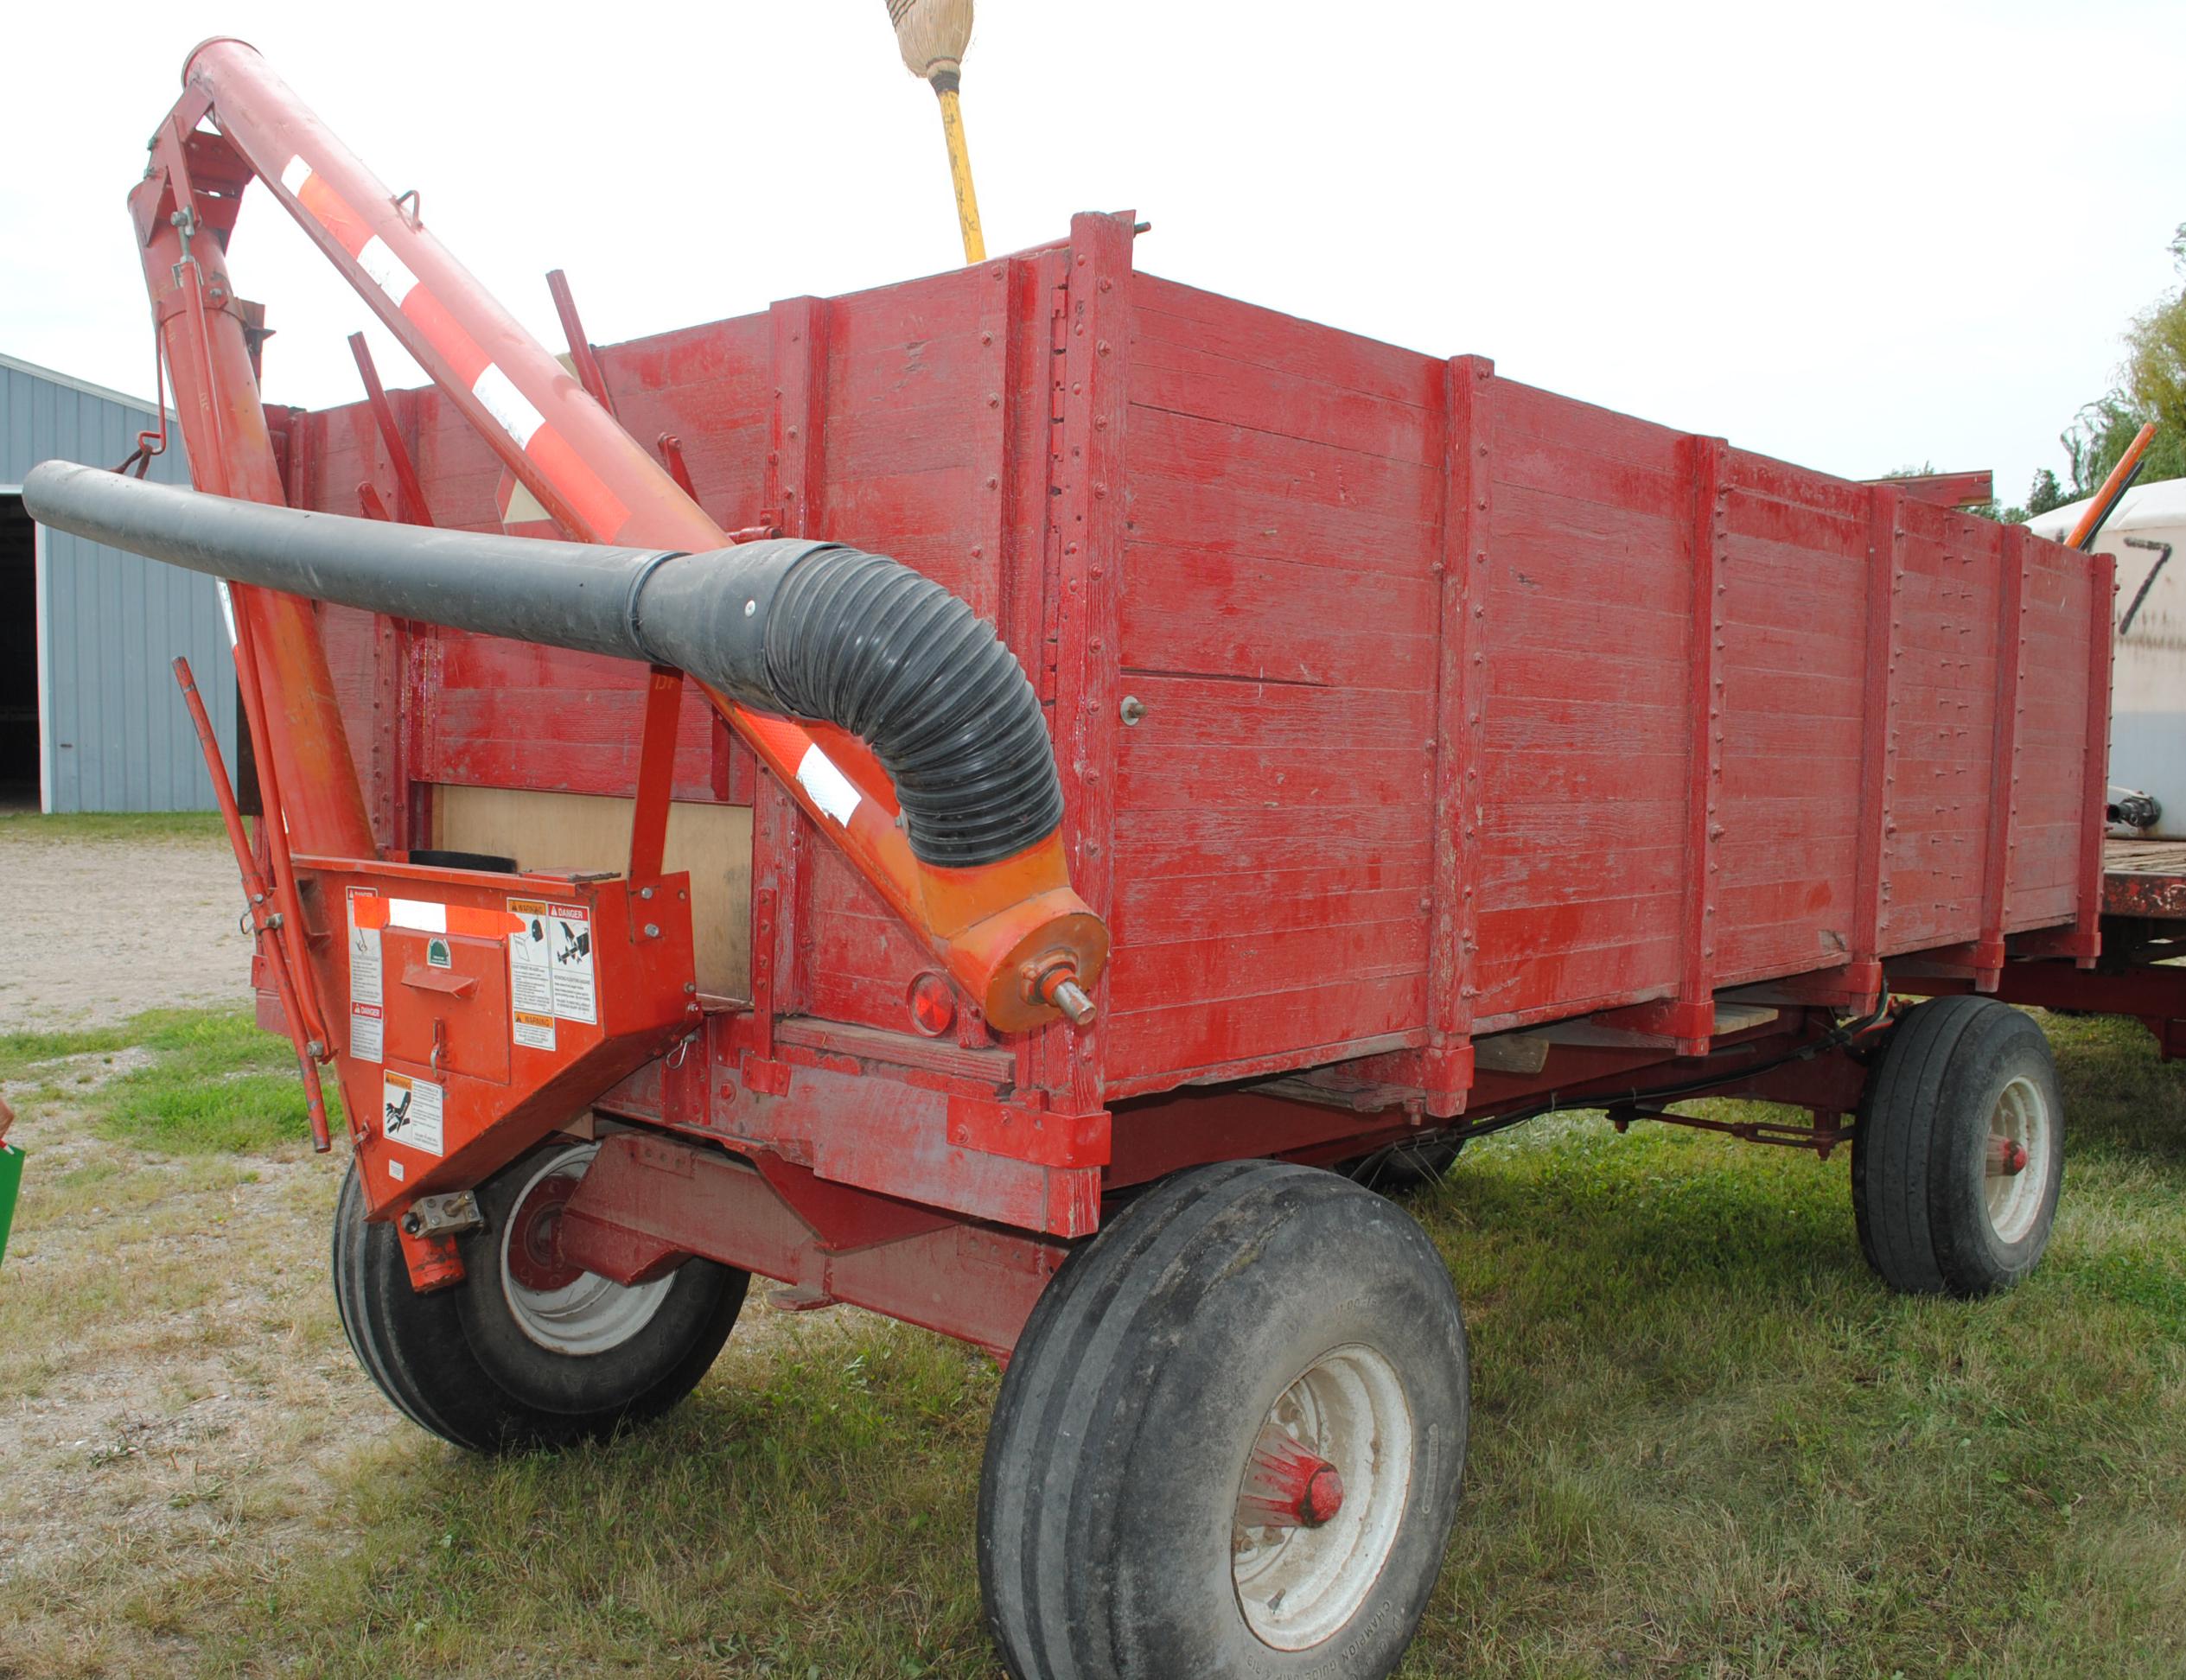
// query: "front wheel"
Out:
[1230,1441]
[527,1351]
[1959,1154]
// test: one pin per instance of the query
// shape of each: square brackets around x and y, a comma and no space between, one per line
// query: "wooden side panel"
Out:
[1728,720]
[1794,581]
[915,381]
[1587,736]
[1946,689]
[1279,652]
[2057,773]
[707,387]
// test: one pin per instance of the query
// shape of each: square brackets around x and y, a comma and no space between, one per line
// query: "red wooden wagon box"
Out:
[1434,749]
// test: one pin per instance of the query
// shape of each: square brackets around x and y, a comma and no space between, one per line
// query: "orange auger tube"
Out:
[1012,933]
[2121,476]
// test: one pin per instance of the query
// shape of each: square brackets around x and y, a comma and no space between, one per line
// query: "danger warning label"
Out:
[550,969]
[364,955]
[410,1113]
[367,1032]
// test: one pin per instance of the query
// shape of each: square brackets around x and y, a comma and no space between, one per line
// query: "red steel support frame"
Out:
[203,341]
[647,1201]
[413,508]
[586,364]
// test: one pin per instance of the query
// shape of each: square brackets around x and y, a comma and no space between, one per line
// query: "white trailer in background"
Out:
[2148,680]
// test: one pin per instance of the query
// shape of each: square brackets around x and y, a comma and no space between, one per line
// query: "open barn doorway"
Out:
[18,658]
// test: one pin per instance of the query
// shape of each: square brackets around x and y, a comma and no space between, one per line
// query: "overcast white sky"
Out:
[1854,235]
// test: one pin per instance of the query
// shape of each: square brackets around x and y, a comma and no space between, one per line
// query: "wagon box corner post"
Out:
[1244,750]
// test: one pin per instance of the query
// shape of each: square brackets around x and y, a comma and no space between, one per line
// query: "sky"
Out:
[1858,236]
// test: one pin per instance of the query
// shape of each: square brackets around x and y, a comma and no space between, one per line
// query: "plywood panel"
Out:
[588,831]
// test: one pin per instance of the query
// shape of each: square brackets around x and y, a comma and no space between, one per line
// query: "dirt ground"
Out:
[151,1383]
[174,1382]
[99,929]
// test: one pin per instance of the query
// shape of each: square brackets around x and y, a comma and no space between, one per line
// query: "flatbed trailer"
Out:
[2143,933]
[1427,751]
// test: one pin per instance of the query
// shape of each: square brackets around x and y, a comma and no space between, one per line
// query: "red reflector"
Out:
[932,1003]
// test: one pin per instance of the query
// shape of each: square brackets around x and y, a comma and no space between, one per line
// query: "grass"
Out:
[1706,1442]
[182,1081]
[109,825]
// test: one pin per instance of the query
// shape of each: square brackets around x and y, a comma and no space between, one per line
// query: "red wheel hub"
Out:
[535,1238]
[2007,1157]
[1288,1487]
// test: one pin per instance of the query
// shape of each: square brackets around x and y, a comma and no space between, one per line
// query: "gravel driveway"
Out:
[98,929]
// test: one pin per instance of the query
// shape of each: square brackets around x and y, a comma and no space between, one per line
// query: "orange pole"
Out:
[2113,488]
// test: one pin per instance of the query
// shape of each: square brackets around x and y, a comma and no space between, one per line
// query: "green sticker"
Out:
[437,954]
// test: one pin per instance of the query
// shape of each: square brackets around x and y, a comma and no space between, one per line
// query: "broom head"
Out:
[933,35]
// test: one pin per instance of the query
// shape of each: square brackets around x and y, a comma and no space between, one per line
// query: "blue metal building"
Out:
[90,719]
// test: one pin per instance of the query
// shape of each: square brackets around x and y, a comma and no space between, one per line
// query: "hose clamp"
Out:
[630,605]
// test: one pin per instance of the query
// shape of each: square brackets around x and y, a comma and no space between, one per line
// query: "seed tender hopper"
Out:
[965,798]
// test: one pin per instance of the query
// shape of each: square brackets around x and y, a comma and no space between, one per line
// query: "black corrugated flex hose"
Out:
[872,647]
[809,630]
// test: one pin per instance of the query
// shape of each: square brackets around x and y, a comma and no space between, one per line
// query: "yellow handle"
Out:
[967,201]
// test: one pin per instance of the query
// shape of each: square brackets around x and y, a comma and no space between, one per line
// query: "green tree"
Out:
[2156,371]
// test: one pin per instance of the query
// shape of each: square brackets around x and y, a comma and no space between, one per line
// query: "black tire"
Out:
[1410,1163]
[1954,1069]
[456,1362]
[1110,1497]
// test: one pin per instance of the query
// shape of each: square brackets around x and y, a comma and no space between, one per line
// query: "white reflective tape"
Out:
[831,790]
[388,271]
[507,405]
[424,914]
[294,174]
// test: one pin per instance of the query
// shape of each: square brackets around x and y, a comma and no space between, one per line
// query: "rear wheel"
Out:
[1959,1154]
[1230,1441]
[527,1351]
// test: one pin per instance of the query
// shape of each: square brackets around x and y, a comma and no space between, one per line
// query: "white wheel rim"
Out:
[2020,1119]
[591,1315]
[1298,1585]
